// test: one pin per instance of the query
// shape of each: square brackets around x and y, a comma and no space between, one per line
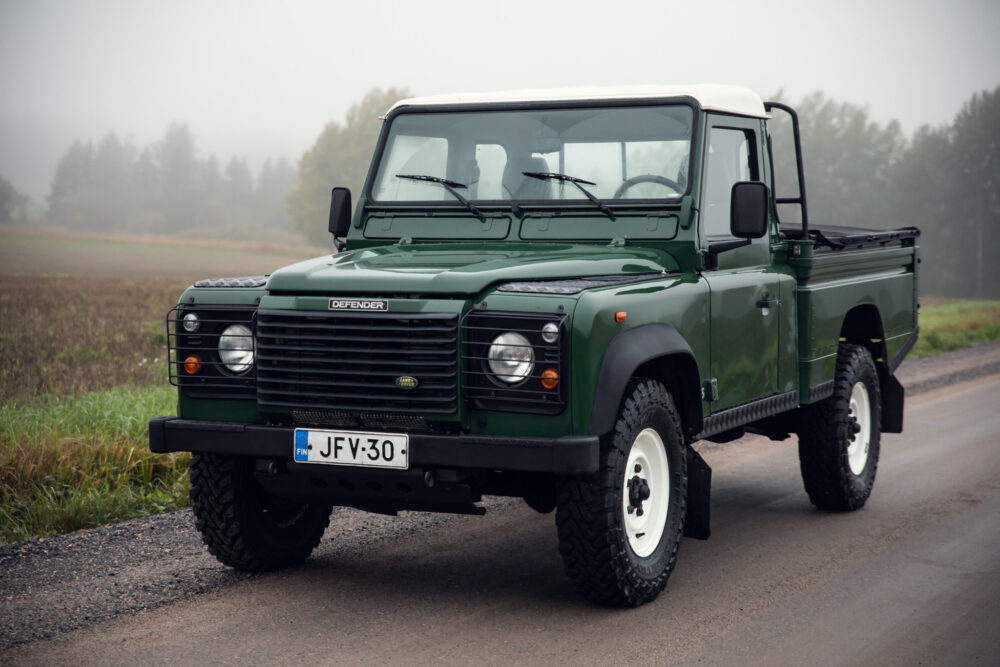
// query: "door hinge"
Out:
[710,390]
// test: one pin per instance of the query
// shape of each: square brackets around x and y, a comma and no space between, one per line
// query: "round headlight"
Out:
[550,332]
[191,323]
[511,357]
[236,348]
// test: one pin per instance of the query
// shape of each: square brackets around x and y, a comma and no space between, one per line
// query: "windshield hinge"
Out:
[617,242]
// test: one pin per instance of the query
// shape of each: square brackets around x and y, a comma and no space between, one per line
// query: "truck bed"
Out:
[852,278]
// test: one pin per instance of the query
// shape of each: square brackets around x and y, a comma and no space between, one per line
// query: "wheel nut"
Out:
[638,468]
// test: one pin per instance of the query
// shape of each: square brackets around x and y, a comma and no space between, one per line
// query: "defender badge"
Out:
[407,382]
[358,304]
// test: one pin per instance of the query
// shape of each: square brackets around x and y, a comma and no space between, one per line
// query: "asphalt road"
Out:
[912,578]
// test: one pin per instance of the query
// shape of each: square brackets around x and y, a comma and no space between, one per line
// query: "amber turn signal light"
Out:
[550,378]
[620,316]
[192,364]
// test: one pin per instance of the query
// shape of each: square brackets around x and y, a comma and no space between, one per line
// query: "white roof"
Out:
[713,97]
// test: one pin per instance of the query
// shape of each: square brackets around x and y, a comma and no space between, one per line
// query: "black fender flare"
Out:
[629,351]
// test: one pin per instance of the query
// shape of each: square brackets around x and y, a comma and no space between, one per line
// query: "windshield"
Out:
[626,152]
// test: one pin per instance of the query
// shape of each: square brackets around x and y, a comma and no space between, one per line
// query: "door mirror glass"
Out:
[340,212]
[748,210]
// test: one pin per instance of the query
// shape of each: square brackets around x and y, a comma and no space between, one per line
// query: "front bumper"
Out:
[567,455]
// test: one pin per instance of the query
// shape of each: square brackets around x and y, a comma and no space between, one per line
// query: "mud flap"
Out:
[893,396]
[696,525]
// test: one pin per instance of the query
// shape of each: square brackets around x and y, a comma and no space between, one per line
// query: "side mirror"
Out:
[340,212]
[749,205]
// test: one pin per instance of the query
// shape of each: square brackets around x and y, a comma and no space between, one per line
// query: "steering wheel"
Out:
[647,178]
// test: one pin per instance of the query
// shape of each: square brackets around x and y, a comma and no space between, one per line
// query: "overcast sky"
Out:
[259,78]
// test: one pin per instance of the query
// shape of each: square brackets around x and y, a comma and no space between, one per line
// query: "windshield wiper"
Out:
[450,187]
[578,182]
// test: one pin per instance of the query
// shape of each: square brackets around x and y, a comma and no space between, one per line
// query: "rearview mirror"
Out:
[748,210]
[340,212]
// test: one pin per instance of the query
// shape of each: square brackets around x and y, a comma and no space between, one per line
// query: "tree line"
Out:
[167,188]
[944,180]
[15,206]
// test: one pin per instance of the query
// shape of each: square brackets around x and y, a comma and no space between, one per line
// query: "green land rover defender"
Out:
[550,295]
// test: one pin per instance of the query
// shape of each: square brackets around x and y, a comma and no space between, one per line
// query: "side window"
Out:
[731,159]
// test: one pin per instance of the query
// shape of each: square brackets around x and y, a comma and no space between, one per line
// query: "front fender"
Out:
[653,350]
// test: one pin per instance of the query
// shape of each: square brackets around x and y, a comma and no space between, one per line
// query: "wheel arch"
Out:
[655,351]
[863,326]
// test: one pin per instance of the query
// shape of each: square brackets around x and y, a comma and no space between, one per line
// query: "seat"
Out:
[519,187]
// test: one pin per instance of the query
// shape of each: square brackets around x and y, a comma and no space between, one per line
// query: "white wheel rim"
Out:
[647,461]
[858,443]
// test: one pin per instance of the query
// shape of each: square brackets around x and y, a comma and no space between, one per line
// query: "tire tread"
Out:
[217,493]
[823,431]
[591,541]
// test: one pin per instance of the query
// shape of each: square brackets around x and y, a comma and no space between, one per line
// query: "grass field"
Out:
[949,325]
[44,251]
[83,369]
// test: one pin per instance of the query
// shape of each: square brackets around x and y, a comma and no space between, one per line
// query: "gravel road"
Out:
[912,573]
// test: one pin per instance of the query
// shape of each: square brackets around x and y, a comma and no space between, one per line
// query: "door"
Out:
[744,305]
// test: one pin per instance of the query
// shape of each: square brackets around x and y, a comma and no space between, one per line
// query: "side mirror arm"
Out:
[712,259]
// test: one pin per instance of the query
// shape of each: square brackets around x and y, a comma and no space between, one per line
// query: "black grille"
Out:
[352,361]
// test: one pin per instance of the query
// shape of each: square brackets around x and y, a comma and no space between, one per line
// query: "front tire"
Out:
[620,527]
[840,437]
[245,527]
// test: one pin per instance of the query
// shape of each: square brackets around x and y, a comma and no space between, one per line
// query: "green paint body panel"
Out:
[445,260]
[218,410]
[831,285]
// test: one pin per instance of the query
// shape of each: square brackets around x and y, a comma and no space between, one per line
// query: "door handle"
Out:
[769,303]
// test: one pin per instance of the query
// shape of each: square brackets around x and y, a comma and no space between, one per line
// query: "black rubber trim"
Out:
[821,391]
[626,352]
[905,350]
[748,412]
[567,455]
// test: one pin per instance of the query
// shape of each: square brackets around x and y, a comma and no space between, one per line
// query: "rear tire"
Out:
[620,527]
[839,437]
[244,526]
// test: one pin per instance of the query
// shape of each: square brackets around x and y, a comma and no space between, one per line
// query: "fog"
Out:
[262,78]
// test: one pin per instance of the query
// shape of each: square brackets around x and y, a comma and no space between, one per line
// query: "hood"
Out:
[457,268]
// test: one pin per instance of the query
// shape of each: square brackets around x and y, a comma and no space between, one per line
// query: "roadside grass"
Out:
[71,462]
[951,325]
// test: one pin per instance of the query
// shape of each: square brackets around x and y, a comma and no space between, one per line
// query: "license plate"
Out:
[352,448]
